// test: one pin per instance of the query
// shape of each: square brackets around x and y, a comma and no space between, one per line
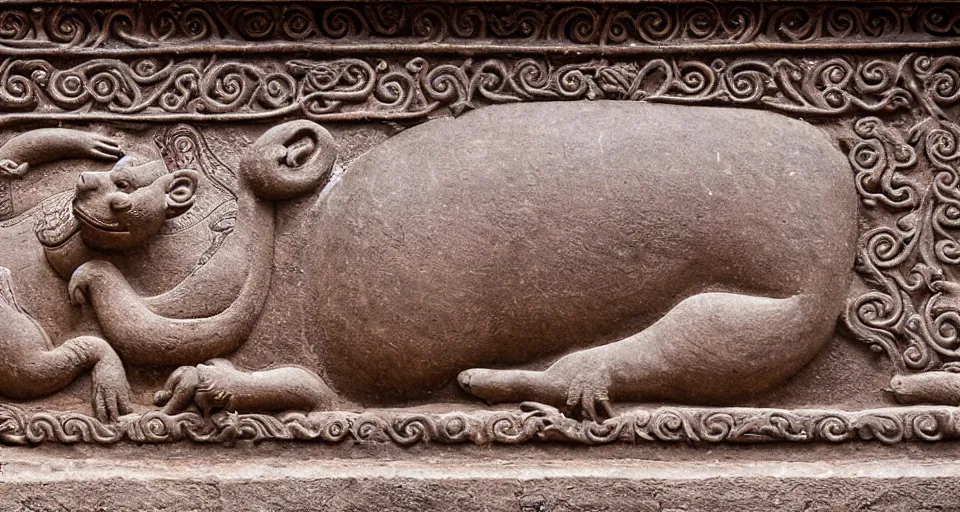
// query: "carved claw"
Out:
[84,276]
[179,390]
[110,403]
[77,289]
[588,390]
[101,147]
[580,385]
[111,392]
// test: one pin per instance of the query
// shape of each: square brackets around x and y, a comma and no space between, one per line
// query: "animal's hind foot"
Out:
[579,386]
[218,385]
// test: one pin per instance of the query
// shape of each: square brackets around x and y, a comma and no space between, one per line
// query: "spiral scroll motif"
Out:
[358,89]
[532,423]
[609,24]
[908,180]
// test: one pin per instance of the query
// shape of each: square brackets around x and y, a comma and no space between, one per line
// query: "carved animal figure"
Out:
[174,328]
[604,251]
[30,365]
[109,219]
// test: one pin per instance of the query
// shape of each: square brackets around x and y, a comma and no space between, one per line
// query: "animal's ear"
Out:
[181,191]
[289,160]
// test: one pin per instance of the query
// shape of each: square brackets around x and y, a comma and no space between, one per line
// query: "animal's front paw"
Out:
[83,279]
[580,383]
[111,392]
[11,169]
[586,382]
[96,146]
[179,390]
[79,285]
[588,394]
[77,290]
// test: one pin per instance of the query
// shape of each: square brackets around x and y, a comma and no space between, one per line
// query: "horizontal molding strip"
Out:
[532,423]
[477,49]
[349,89]
[472,28]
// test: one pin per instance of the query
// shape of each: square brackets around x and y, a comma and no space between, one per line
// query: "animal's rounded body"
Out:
[516,234]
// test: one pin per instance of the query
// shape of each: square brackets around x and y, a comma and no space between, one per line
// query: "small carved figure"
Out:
[934,387]
[219,385]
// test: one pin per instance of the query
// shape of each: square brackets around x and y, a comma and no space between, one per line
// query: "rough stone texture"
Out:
[269,483]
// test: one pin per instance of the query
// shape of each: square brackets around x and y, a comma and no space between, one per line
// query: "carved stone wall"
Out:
[371,222]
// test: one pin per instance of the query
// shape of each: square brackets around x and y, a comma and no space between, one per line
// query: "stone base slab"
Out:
[43,481]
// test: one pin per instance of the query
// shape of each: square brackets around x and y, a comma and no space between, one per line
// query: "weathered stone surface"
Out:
[271,483]
[505,256]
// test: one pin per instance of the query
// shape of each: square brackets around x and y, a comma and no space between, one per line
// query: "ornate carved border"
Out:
[355,27]
[205,89]
[532,423]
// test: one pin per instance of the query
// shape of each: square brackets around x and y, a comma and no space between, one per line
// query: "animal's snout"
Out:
[86,183]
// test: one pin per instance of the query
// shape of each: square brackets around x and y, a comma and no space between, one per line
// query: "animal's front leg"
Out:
[110,393]
[44,373]
[46,145]
[143,337]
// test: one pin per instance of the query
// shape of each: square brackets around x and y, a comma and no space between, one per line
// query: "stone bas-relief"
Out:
[414,317]
[120,210]
[569,245]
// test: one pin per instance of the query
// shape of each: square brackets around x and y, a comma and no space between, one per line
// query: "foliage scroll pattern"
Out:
[532,423]
[144,27]
[367,89]
[909,183]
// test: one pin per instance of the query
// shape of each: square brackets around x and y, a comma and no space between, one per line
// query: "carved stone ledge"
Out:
[472,28]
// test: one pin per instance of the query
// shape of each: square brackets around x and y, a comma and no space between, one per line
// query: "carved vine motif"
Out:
[624,26]
[359,89]
[531,423]
[909,184]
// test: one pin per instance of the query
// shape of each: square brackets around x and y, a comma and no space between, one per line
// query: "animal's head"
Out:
[123,208]
[210,396]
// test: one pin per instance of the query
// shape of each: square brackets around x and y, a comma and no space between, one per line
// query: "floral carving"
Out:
[908,183]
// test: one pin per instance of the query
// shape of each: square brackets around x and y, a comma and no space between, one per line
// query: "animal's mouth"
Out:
[92,221]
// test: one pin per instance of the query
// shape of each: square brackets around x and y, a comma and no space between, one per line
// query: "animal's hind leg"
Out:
[710,348]
[42,373]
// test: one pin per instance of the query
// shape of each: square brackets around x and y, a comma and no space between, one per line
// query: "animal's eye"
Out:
[123,185]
